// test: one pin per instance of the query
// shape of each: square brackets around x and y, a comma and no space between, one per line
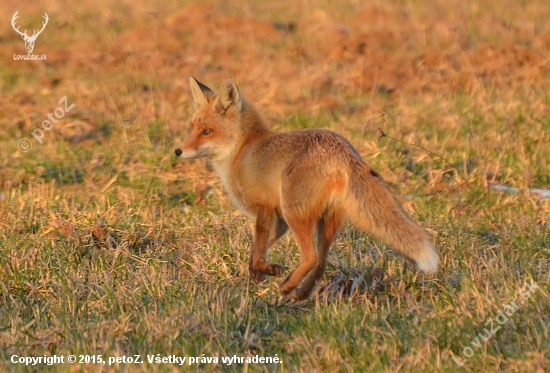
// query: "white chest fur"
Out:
[230,185]
[223,169]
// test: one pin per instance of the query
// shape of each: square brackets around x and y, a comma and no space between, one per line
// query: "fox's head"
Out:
[215,125]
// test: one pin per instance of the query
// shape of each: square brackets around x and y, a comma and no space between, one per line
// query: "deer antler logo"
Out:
[29,40]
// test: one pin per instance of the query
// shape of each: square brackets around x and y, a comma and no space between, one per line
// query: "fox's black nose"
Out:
[178,152]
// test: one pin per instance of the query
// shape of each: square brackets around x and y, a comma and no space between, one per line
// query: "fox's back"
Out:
[316,148]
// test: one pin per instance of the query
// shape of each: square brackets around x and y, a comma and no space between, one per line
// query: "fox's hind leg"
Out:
[328,228]
[267,230]
[303,231]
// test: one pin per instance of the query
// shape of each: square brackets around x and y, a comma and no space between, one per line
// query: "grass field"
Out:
[110,246]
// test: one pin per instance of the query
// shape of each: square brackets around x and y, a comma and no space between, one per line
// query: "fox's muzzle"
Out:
[189,153]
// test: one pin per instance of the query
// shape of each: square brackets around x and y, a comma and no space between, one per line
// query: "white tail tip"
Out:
[428,259]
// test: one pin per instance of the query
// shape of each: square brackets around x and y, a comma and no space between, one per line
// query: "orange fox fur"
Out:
[308,180]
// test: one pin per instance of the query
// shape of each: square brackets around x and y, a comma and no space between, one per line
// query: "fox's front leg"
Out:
[266,222]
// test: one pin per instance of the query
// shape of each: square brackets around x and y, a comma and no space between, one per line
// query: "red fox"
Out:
[304,180]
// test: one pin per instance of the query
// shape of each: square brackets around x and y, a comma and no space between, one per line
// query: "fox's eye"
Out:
[207,132]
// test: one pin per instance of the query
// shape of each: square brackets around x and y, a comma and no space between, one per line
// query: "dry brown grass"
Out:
[109,246]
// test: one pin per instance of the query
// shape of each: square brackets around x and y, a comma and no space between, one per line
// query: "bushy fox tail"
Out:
[373,208]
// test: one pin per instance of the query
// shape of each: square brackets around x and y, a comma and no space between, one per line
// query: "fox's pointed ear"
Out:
[201,93]
[229,96]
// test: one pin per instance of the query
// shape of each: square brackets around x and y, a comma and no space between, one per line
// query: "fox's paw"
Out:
[273,269]
[286,287]
[296,294]
[257,275]
[299,294]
